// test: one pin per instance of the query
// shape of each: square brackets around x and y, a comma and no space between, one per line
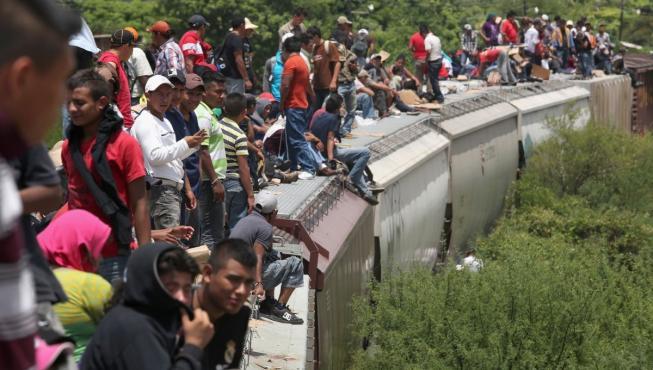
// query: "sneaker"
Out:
[265,307]
[369,198]
[304,175]
[281,313]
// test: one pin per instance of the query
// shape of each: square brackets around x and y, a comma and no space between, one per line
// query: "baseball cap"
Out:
[363,73]
[237,22]
[174,75]
[133,31]
[249,25]
[374,56]
[286,36]
[155,82]
[122,37]
[467,27]
[343,20]
[198,20]
[545,17]
[570,23]
[363,31]
[266,202]
[159,26]
[193,81]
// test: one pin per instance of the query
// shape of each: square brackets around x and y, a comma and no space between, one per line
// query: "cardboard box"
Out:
[540,72]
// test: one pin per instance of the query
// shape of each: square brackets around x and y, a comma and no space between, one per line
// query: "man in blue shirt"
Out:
[184,122]
[324,129]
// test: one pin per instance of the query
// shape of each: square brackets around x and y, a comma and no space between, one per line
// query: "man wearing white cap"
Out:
[163,154]
[271,269]
[248,51]
[468,42]
[362,46]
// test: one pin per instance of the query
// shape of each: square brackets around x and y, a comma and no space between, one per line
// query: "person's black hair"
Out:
[292,45]
[234,104]
[298,12]
[304,38]
[313,31]
[38,29]
[557,18]
[92,80]
[396,70]
[251,100]
[237,22]
[211,76]
[410,85]
[401,56]
[423,28]
[511,13]
[235,249]
[178,260]
[333,103]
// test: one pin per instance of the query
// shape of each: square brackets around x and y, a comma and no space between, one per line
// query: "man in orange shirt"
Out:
[295,89]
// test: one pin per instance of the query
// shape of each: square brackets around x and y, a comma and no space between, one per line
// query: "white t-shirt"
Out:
[141,68]
[162,153]
[531,38]
[433,47]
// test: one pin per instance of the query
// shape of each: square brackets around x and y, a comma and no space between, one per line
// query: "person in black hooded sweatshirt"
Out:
[141,332]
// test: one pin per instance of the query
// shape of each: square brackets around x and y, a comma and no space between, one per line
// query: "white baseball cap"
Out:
[286,36]
[545,17]
[363,31]
[155,82]
[266,202]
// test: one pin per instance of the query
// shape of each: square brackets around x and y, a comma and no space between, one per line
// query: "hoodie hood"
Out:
[143,288]
[257,116]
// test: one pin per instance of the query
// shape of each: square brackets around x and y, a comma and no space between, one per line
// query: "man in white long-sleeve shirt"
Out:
[163,155]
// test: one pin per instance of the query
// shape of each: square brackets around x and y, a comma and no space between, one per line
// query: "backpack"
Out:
[360,45]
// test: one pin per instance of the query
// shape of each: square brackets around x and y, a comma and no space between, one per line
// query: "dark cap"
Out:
[122,37]
[175,76]
[198,20]
[237,22]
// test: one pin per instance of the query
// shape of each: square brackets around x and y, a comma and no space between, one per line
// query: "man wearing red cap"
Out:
[168,54]
[193,46]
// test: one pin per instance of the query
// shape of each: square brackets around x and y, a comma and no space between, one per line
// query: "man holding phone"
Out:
[163,155]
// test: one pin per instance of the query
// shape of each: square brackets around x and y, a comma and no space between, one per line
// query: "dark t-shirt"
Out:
[322,124]
[183,129]
[36,169]
[225,350]
[233,44]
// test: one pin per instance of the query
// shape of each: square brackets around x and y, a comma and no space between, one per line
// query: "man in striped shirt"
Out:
[213,161]
[239,200]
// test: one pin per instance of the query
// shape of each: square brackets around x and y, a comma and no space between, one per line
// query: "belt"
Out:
[165,182]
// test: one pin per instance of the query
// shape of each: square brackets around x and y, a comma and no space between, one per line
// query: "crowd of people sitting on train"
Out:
[171,145]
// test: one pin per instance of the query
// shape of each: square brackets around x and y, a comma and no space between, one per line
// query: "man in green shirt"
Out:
[213,161]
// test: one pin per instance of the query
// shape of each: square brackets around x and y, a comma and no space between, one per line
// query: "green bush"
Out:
[567,278]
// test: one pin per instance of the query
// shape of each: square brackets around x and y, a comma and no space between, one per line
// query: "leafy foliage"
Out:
[566,282]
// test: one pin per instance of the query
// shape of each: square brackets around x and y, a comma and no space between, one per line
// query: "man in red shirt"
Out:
[192,44]
[509,29]
[492,55]
[295,89]
[416,45]
[122,46]
[114,161]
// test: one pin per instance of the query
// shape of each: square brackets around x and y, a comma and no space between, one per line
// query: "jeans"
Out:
[356,159]
[585,59]
[191,217]
[235,202]
[348,92]
[504,68]
[113,268]
[316,156]
[165,206]
[320,97]
[365,103]
[421,71]
[604,62]
[434,72]
[288,272]
[212,217]
[234,85]
[297,147]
